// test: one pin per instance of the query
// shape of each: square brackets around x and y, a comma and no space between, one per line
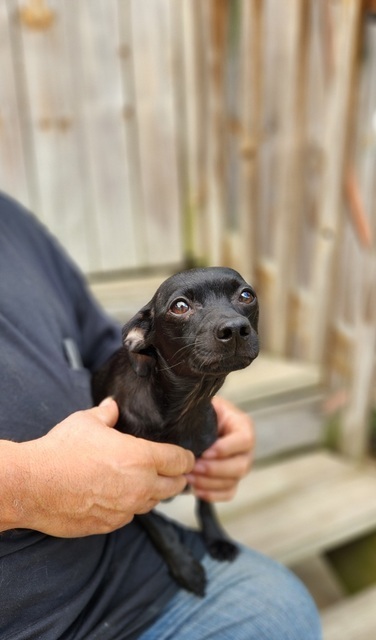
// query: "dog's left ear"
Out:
[137,335]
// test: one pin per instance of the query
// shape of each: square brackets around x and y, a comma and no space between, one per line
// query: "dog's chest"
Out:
[196,433]
[195,429]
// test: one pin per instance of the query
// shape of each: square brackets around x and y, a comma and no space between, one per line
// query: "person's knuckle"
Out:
[243,466]
[230,493]
[249,438]
[187,460]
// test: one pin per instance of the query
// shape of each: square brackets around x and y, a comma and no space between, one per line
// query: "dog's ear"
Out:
[137,336]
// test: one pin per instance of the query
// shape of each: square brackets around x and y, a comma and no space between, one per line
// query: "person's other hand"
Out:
[216,474]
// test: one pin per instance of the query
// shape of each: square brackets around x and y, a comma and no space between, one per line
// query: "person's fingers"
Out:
[229,445]
[165,488]
[215,496]
[235,429]
[171,460]
[213,484]
[214,489]
[148,506]
[235,467]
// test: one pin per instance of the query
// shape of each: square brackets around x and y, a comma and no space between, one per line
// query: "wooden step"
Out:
[123,297]
[284,398]
[297,508]
[352,619]
[270,381]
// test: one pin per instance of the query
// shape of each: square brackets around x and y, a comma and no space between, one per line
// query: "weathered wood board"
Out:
[352,619]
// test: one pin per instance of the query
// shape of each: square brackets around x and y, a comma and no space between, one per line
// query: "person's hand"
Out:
[84,477]
[216,474]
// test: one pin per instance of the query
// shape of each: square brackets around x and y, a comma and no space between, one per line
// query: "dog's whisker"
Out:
[186,347]
[172,366]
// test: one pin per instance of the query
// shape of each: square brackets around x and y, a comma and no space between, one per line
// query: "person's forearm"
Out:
[14,482]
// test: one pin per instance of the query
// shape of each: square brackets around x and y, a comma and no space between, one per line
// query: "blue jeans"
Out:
[252,598]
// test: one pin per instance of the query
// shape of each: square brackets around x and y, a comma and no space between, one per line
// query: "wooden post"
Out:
[355,427]
[354,430]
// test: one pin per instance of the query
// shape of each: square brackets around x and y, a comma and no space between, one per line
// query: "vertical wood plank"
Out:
[42,52]
[13,155]
[285,219]
[215,15]
[197,95]
[250,135]
[354,436]
[334,144]
[360,269]
[181,31]
[131,126]
[157,135]
[95,48]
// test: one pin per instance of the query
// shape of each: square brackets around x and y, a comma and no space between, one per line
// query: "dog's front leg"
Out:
[217,541]
[183,566]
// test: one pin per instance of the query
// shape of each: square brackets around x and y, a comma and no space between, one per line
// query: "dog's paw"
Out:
[223,550]
[190,574]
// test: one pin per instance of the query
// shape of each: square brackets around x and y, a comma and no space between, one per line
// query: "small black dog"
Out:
[200,325]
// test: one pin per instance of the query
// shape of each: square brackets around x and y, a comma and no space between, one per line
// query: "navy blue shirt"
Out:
[103,587]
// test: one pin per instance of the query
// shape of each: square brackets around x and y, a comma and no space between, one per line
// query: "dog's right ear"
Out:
[137,339]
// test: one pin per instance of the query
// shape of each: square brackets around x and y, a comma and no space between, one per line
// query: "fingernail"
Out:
[106,402]
[200,467]
[209,453]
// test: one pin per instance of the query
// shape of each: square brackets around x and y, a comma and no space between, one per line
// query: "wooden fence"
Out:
[150,133]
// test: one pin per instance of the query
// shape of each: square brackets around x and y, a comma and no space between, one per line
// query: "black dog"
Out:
[200,325]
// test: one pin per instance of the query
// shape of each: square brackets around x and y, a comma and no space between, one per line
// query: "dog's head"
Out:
[200,322]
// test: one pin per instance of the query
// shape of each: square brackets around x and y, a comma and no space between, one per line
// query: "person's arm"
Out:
[85,478]
[217,473]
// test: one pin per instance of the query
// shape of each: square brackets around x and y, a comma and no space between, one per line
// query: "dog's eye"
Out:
[179,307]
[246,296]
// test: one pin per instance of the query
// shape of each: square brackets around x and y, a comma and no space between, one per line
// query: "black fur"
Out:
[200,325]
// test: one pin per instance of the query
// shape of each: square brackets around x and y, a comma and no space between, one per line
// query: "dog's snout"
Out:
[232,329]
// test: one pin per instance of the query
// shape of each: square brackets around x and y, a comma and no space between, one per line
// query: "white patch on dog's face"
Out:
[134,338]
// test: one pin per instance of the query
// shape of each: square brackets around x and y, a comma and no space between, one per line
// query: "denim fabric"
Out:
[253,598]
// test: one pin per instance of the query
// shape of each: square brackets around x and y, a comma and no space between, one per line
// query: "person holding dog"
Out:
[74,562]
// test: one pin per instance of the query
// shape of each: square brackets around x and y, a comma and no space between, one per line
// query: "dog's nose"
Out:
[231,329]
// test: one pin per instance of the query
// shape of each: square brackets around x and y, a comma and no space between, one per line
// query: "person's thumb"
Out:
[108,411]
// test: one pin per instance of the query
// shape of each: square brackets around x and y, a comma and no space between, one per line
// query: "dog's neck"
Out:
[187,406]
[183,394]
[158,403]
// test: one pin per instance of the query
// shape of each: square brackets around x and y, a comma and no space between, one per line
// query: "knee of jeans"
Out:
[292,614]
